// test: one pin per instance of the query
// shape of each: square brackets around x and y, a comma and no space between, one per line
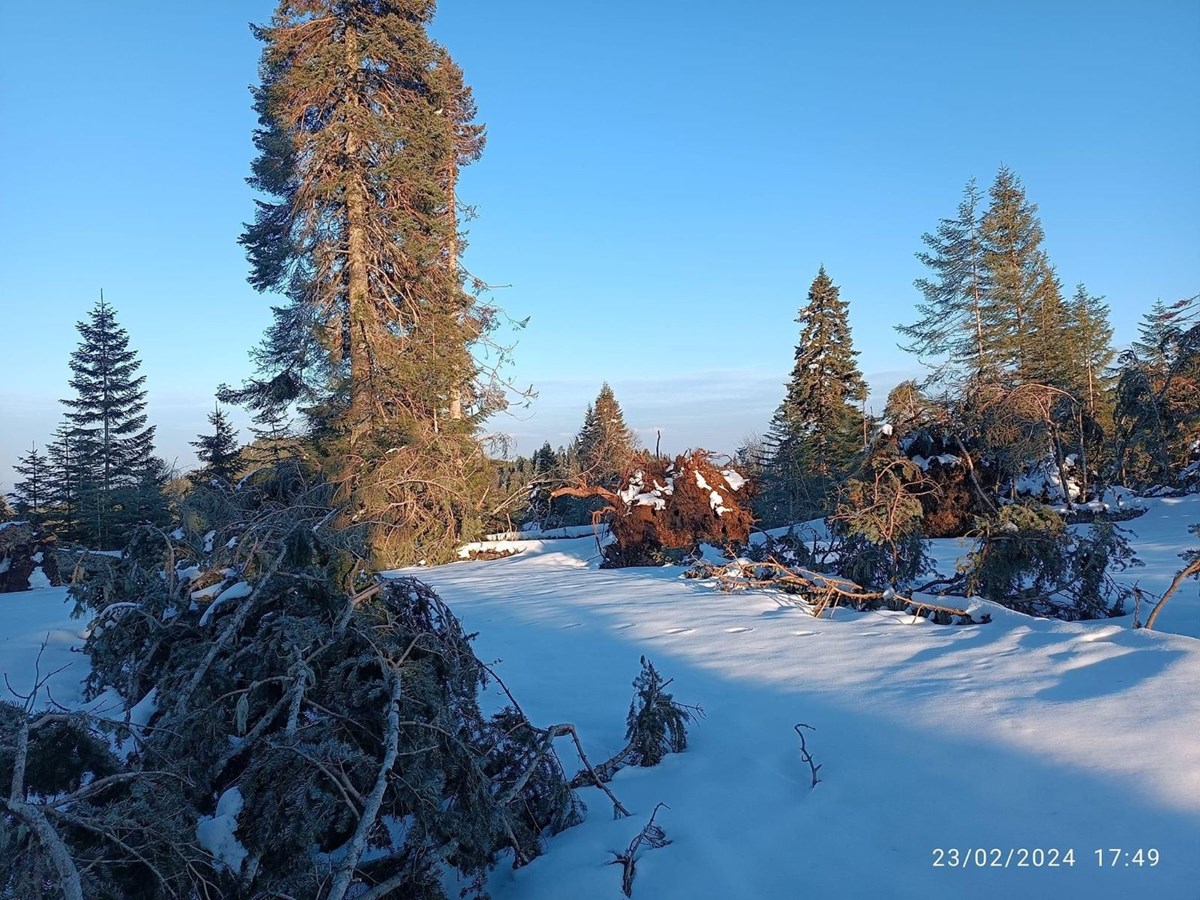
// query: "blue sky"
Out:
[661,183]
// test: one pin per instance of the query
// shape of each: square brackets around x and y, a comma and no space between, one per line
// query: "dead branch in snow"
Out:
[653,836]
[805,755]
[826,592]
[1192,568]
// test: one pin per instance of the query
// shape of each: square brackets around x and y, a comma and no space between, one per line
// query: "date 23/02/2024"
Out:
[1041,857]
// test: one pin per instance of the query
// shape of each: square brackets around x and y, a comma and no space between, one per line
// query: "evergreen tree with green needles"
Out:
[107,422]
[65,482]
[31,493]
[605,443]
[219,451]
[1018,292]
[950,332]
[818,429]
[364,125]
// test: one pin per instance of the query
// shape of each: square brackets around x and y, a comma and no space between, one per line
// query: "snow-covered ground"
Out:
[1021,734]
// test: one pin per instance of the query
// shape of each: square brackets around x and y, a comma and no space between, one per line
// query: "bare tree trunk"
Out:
[456,404]
[356,266]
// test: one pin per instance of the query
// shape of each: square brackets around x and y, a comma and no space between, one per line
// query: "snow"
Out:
[233,592]
[37,557]
[208,541]
[533,532]
[4,564]
[733,479]
[4,525]
[38,579]
[29,618]
[946,459]
[205,593]
[217,833]
[1022,732]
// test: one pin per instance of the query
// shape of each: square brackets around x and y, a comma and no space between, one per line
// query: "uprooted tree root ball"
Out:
[671,505]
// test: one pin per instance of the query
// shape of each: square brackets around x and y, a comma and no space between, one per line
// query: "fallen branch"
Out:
[826,592]
[653,836]
[1192,569]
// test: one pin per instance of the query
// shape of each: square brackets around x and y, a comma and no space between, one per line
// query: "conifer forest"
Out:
[370,624]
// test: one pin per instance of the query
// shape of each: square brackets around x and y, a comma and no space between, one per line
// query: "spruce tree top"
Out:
[107,416]
[825,375]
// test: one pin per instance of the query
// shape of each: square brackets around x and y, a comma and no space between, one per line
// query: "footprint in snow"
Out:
[680,630]
[804,633]
[737,630]
[574,625]
[624,625]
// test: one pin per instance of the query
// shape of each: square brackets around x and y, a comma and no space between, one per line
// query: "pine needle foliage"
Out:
[1028,560]
[656,724]
[343,709]
[113,446]
[818,429]
[364,125]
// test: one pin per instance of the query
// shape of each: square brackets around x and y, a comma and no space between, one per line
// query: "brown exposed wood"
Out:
[670,504]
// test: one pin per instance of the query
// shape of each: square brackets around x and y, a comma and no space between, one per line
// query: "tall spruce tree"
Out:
[818,429]
[1157,404]
[219,451]
[1047,352]
[365,123]
[605,443]
[1090,342]
[950,332]
[1018,272]
[822,409]
[31,492]
[107,422]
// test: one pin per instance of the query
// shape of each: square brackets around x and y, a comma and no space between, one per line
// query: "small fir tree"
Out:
[656,724]
[31,492]
[219,451]
[66,477]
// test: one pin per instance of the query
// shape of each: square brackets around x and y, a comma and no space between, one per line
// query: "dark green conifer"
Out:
[219,452]
[822,407]
[107,422]
[605,443]
[365,123]
[31,492]
[949,334]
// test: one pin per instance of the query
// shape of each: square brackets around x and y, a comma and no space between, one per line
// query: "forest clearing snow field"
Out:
[1022,734]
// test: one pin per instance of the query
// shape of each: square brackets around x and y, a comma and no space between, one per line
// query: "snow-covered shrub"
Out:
[1030,561]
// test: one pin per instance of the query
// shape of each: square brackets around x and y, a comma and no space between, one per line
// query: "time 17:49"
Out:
[1115,856]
